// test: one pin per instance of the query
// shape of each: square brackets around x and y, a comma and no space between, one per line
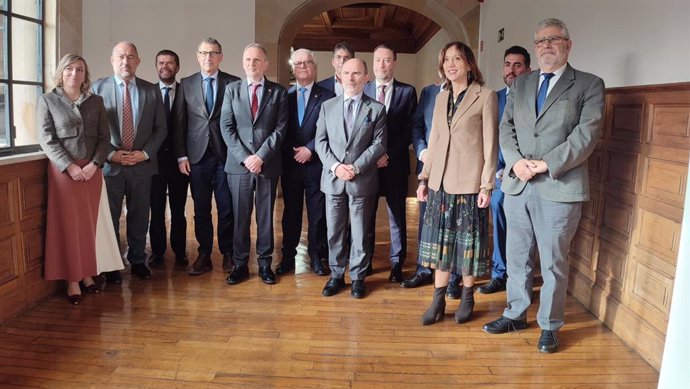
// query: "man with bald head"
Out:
[350,138]
[138,127]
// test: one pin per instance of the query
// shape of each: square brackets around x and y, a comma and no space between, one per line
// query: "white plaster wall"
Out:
[626,42]
[427,59]
[178,25]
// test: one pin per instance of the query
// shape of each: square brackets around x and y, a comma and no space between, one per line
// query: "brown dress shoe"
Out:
[201,265]
[228,263]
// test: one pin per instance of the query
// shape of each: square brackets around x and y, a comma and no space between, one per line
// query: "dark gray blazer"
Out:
[68,133]
[151,128]
[563,135]
[262,137]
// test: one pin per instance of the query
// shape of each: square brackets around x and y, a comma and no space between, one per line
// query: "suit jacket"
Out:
[328,83]
[167,149]
[363,148]
[65,135]
[501,95]
[262,137]
[296,135]
[195,129]
[564,134]
[421,125]
[399,118]
[463,157]
[150,128]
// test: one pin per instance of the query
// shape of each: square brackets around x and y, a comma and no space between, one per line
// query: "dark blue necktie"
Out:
[300,105]
[166,100]
[209,95]
[541,96]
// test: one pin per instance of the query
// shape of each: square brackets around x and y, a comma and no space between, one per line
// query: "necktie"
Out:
[209,95]
[301,104]
[127,119]
[349,117]
[541,96]
[166,100]
[382,94]
[255,101]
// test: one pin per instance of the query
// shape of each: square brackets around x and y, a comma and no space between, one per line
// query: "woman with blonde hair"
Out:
[73,132]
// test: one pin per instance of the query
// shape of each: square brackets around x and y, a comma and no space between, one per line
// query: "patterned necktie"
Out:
[209,95]
[349,117]
[301,104]
[127,119]
[166,100]
[382,94]
[541,96]
[255,101]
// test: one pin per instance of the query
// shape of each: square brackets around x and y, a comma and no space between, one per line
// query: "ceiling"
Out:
[365,26]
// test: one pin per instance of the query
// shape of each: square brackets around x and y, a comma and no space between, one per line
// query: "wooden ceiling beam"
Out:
[326,18]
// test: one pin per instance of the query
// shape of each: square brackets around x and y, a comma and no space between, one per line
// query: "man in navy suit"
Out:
[516,61]
[400,100]
[302,168]
[341,53]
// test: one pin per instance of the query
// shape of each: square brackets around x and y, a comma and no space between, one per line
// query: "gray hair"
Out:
[257,46]
[552,22]
[212,41]
[126,43]
[308,52]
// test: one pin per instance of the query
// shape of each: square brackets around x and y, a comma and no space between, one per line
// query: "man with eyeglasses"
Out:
[302,168]
[342,52]
[551,124]
[201,153]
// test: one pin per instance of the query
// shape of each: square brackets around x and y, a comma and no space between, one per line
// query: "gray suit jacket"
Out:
[564,134]
[262,137]
[366,145]
[67,133]
[151,127]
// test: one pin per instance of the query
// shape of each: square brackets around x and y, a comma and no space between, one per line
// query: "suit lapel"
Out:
[110,100]
[395,98]
[313,99]
[471,96]
[142,103]
[245,102]
[565,82]
[197,97]
[361,115]
[220,83]
[531,84]
[265,97]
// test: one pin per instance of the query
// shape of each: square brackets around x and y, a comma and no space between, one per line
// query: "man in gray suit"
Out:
[254,120]
[551,123]
[201,153]
[350,138]
[137,130]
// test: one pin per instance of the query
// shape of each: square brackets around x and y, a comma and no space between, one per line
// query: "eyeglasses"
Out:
[210,53]
[306,63]
[541,42]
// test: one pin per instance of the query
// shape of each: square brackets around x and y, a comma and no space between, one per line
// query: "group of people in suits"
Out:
[339,144]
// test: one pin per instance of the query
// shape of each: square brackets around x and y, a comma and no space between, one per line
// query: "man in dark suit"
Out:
[137,130]
[201,153]
[516,62]
[169,182]
[350,138]
[400,100]
[302,168]
[342,52]
[254,121]
[551,124]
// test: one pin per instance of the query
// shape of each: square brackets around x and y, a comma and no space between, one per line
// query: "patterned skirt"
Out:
[455,234]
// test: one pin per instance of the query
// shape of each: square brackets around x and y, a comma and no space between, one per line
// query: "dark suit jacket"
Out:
[564,134]
[421,126]
[262,137]
[194,127]
[150,128]
[328,83]
[399,118]
[167,149]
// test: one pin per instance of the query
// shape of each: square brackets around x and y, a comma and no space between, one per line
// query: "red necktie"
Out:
[382,94]
[127,120]
[255,101]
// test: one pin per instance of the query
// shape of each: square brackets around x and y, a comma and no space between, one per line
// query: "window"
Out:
[21,73]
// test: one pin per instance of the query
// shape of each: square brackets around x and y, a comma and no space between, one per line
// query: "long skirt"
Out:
[80,238]
[455,234]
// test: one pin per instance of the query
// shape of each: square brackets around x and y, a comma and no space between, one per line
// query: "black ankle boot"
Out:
[437,309]
[464,312]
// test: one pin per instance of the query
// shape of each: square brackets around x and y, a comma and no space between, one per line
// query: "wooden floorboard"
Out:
[177,331]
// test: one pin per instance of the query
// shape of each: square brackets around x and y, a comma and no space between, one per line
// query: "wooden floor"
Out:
[177,331]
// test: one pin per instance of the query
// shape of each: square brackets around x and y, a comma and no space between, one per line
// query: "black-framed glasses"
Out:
[210,53]
[305,64]
[549,39]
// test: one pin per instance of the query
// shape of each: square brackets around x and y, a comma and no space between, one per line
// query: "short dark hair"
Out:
[344,46]
[212,41]
[170,53]
[385,46]
[467,55]
[518,50]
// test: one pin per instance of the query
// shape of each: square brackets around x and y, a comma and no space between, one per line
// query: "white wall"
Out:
[626,42]
[178,25]
[427,59]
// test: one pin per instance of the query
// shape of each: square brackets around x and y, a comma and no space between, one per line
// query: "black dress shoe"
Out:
[396,274]
[417,280]
[358,289]
[454,291]
[333,286]
[202,265]
[156,260]
[285,266]
[370,268]
[318,268]
[238,274]
[493,286]
[266,275]
[74,299]
[503,325]
[228,263]
[548,341]
[113,277]
[181,259]
[93,288]
[141,271]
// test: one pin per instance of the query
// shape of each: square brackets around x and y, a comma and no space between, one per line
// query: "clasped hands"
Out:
[253,164]
[526,169]
[81,173]
[345,172]
[128,158]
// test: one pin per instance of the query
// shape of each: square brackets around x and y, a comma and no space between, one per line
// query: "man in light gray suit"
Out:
[350,138]
[551,124]
[138,127]
[254,120]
